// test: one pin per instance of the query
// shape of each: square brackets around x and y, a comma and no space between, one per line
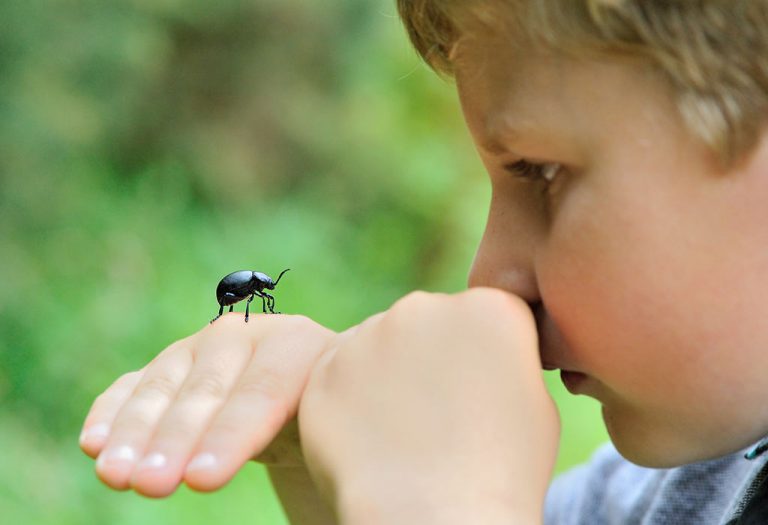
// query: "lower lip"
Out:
[572,380]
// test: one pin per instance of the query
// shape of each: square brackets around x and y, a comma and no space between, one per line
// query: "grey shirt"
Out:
[610,490]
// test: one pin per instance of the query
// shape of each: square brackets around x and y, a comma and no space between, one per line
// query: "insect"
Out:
[236,286]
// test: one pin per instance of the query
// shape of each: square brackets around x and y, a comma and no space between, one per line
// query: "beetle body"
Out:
[236,286]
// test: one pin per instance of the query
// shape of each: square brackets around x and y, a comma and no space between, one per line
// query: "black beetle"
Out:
[238,285]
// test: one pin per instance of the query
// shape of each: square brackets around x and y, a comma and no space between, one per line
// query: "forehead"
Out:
[510,93]
[503,90]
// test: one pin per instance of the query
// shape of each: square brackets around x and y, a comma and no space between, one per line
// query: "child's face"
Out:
[651,263]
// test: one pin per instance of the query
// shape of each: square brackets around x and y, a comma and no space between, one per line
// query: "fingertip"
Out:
[157,475]
[119,488]
[206,473]
[91,450]
[153,486]
[155,493]
[93,438]
[200,483]
[114,466]
[115,482]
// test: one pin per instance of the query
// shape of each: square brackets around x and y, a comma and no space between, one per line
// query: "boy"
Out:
[626,246]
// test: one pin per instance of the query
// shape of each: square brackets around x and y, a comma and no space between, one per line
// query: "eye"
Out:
[539,173]
[532,172]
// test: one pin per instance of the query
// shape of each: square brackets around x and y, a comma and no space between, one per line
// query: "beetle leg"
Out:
[270,302]
[231,306]
[221,310]
[247,304]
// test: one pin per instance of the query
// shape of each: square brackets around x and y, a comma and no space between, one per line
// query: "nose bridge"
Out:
[506,255]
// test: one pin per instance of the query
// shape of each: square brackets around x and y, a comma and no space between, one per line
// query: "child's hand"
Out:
[434,411]
[222,394]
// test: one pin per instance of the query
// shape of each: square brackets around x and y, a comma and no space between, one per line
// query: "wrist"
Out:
[299,497]
[355,506]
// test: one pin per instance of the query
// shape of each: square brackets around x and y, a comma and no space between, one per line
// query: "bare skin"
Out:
[434,411]
[260,371]
[229,392]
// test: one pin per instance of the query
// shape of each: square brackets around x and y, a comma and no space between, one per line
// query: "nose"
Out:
[505,258]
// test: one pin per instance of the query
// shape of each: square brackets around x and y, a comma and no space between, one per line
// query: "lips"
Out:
[573,381]
[555,354]
[547,366]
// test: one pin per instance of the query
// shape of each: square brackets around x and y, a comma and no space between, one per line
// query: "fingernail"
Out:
[97,431]
[206,460]
[116,456]
[153,461]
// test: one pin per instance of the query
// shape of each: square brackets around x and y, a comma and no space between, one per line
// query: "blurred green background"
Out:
[149,147]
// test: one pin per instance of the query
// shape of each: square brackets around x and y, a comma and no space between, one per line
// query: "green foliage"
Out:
[149,148]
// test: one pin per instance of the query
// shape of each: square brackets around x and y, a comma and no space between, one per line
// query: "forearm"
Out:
[304,506]
[299,497]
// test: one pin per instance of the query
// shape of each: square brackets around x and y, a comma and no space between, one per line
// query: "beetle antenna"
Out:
[281,274]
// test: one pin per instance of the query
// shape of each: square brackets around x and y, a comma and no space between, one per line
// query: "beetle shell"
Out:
[237,283]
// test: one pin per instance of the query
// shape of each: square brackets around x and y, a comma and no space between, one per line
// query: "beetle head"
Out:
[262,279]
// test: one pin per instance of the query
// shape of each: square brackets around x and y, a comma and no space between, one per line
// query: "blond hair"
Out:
[713,54]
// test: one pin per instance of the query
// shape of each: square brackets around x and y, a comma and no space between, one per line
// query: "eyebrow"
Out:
[505,132]
[502,131]
[492,146]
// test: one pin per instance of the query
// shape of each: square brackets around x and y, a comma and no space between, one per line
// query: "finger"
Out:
[264,399]
[206,388]
[137,419]
[98,422]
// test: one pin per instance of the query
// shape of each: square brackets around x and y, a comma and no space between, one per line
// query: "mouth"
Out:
[548,367]
[573,380]
[554,352]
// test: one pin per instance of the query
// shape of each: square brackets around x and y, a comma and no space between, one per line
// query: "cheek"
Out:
[610,281]
[653,303]
[647,301]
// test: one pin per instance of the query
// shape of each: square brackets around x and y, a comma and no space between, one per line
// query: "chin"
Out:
[645,457]
[649,445]
[666,440]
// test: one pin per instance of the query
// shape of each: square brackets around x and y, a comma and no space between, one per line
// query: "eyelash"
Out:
[532,172]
